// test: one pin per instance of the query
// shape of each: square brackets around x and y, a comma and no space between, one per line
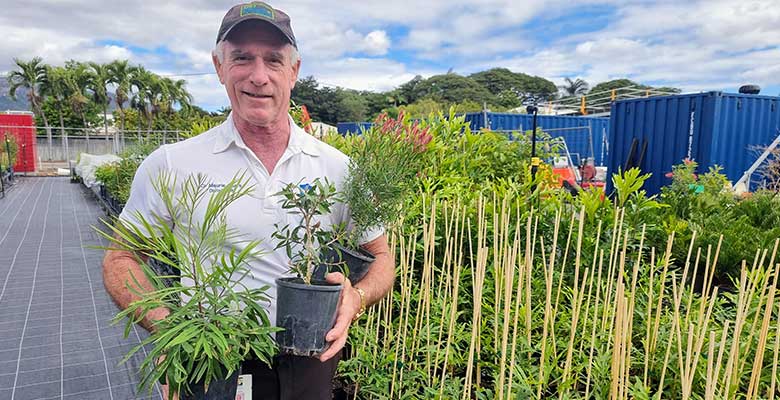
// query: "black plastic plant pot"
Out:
[307,313]
[358,261]
[222,389]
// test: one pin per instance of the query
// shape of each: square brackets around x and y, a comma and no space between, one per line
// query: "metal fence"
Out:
[68,146]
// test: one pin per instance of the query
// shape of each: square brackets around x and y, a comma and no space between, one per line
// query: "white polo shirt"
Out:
[220,153]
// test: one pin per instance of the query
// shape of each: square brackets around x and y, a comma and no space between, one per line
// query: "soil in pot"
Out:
[358,261]
[307,313]
[223,389]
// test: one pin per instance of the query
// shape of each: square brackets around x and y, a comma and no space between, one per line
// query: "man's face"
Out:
[258,74]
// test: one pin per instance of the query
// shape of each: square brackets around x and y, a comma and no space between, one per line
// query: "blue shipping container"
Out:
[584,136]
[355,128]
[712,128]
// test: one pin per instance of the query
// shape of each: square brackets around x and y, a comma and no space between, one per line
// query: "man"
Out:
[257,61]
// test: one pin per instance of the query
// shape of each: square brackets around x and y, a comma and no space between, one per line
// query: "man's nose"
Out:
[259,75]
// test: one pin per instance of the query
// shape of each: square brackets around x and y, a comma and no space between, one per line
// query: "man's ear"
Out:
[217,67]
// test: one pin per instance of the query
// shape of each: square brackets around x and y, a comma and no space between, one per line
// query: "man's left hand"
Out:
[349,305]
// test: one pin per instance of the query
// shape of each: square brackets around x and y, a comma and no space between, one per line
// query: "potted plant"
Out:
[306,304]
[215,322]
[384,162]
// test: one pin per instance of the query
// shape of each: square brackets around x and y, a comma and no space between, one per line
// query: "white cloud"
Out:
[361,73]
[376,43]
[695,45]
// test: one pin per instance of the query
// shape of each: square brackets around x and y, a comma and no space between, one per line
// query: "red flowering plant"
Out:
[385,161]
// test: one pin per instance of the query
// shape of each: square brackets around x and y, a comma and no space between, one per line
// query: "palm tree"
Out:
[78,84]
[31,75]
[174,93]
[120,73]
[141,81]
[58,89]
[574,87]
[98,83]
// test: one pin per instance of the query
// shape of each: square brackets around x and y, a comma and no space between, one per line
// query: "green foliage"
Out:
[620,83]
[384,162]
[118,176]
[215,321]
[303,241]
[453,88]
[9,150]
[514,86]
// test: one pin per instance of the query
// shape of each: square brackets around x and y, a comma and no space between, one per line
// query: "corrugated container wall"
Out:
[354,128]
[584,136]
[711,128]
[21,126]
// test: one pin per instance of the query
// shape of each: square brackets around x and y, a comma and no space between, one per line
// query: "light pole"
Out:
[533,109]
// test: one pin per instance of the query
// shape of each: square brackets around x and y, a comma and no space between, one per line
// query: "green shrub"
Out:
[8,143]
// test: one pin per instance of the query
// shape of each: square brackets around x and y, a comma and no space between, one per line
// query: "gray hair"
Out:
[219,52]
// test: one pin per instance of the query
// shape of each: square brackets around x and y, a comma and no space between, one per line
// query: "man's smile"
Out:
[256,95]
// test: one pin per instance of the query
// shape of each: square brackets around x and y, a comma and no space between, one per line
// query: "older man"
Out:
[256,59]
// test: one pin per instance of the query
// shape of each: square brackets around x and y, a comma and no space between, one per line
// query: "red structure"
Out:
[21,125]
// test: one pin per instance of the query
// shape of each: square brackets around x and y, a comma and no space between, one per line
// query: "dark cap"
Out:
[259,11]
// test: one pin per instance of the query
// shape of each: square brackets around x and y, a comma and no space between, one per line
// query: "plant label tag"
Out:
[244,391]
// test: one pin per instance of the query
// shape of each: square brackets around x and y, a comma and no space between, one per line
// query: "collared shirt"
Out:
[220,154]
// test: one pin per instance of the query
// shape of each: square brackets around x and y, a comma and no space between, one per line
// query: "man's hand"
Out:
[349,305]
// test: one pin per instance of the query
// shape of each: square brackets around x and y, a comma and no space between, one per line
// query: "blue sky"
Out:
[377,45]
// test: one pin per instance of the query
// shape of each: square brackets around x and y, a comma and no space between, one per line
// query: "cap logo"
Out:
[259,9]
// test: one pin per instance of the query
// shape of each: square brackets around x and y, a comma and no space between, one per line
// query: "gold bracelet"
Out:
[362,310]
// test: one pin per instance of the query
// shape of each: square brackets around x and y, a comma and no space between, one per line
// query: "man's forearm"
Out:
[379,279]
[120,269]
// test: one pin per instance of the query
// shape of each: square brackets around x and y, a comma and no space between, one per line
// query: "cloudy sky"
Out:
[377,45]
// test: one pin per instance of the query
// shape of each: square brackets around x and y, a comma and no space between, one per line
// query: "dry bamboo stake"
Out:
[773,385]
[407,300]
[757,278]
[658,308]
[734,352]
[450,329]
[518,296]
[617,225]
[478,277]
[576,307]
[590,285]
[709,388]
[509,274]
[721,351]
[665,365]
[618,270]
[497,249]
[460,221]
[617,344]
[649,316]
[758,362]
[530,243]
[677,298]
[548,299]
[563,269]
[429,286]
[594,324]
[703,324]
[554,315]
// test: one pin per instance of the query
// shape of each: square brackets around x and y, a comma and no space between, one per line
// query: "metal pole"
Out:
[67,147]
[532,109]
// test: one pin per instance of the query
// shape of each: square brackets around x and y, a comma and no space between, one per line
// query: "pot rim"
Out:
[316,285]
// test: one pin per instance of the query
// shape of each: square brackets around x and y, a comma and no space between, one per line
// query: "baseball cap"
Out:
[258,11]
